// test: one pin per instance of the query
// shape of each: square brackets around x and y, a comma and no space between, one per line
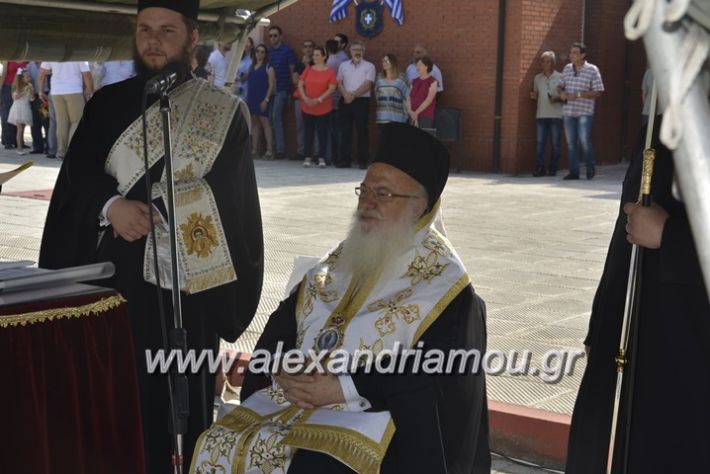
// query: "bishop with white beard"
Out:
[394,282]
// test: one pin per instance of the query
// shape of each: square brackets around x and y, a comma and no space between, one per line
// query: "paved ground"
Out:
[534,247]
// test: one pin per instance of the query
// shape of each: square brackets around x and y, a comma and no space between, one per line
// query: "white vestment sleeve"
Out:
[103,220]
[353,400]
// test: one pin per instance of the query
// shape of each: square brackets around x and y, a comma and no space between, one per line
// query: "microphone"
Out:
[171,74]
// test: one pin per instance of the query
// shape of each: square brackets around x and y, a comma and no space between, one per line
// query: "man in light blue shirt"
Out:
[116,71]
[418,52]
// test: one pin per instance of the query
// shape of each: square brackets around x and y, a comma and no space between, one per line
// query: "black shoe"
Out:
[591,172]
[539,172]
[10,146]
[552,172]
[51,155]
[280,156]
[36,152]
[25,146]
[342,165]
[571,176]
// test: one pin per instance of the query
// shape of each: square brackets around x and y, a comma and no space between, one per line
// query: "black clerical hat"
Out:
[188,8]
[417,153]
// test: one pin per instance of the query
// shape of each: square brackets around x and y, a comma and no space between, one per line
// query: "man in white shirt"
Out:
[71,81]
[116,71]
[355,80]
[549,114]
[218,63]
[418,52]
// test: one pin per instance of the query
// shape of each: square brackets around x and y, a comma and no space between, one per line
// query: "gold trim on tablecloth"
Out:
[101,306]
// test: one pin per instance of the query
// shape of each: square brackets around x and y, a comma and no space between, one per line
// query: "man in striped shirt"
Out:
[581,86]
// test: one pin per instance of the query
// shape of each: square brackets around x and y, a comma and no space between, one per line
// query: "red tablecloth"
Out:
[68,388]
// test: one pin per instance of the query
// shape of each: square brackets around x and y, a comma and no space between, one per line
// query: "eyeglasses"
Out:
[380,195]
[273,35]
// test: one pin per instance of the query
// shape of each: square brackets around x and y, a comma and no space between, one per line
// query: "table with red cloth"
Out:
[68,388]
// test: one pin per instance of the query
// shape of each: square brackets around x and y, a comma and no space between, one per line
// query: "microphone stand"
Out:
[178,335]
[176,340]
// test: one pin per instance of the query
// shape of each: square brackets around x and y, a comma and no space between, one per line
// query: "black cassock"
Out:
[70,238]
[441,421]
[670,415]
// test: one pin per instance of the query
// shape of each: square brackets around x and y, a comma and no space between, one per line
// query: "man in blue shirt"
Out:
[283,60]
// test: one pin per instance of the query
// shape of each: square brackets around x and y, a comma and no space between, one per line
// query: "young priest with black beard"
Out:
[98,213]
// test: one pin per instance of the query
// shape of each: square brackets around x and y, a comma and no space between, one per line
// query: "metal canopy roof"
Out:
[102,30]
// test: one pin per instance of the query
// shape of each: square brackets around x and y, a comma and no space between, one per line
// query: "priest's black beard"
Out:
[184,59]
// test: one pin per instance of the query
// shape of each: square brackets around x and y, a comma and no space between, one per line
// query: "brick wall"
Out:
[462,39]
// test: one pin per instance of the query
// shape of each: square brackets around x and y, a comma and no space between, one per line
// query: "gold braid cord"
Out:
[96,308]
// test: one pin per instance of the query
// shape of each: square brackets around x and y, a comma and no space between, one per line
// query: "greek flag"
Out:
[395,7]
[339,10]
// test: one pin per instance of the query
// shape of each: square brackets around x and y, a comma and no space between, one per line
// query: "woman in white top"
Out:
[21,111]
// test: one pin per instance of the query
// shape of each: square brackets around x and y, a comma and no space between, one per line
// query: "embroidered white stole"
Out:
[200,118]
[260,436]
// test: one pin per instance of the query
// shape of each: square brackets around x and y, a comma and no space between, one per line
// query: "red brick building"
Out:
[462,38]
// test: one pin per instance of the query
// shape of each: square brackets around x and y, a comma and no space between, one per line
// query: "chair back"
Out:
[448,124]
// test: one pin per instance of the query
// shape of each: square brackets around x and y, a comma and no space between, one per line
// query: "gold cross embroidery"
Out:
[394,309]
[333,257]
[424,268]
[316,290]
[435,243]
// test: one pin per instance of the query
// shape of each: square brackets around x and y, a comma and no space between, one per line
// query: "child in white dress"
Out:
[21,111]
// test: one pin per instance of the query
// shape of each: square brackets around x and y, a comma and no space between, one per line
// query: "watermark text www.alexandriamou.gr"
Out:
[553,364]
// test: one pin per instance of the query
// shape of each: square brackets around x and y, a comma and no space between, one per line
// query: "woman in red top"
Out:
[422,95]
[316,85]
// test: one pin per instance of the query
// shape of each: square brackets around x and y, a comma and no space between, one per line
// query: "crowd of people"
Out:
[331,87]
[49,97]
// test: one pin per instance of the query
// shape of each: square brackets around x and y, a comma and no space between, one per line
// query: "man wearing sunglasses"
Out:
[395,280]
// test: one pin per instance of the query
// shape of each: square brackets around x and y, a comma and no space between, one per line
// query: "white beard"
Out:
[365,253]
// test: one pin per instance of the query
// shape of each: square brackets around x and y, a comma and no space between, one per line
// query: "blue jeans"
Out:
[579,129]
[545,127]
[333,149]
[315,131]
[276,116]
[300,131]
[52,133]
